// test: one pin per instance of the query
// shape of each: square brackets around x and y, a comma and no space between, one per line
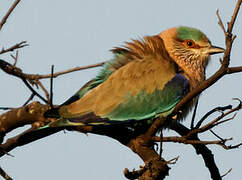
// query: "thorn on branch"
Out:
[173,161]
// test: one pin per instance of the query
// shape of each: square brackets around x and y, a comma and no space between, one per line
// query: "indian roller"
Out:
[145,79]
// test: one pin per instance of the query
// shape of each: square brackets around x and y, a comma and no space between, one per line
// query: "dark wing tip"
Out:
[52,113]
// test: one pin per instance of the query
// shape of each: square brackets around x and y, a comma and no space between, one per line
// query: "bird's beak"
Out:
[215,50]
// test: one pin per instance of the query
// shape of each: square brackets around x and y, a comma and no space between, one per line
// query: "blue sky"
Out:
[74,33]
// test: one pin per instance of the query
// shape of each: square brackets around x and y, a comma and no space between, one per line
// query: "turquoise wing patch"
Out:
[145,106]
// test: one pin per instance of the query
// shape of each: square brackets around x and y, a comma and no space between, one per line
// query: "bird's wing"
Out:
[142,83]
[139,91]
[122,56]
[108,68]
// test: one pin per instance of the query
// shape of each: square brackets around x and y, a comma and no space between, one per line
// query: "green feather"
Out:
[109,67]
[185,33]
[150,105]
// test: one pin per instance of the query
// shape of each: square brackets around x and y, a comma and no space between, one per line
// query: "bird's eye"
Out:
[190,43]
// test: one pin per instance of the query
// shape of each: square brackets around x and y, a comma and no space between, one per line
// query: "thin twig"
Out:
[14,47]
[51,86]
[232,70]
[185,140]
[220,22]
[194,114]
[227,173]
[234,16]
[29,99]
[15,58]
[10,69]
[216,135]
[217,109]
[33,91]
[44,89]
[232,147]
[4,174]
[223,121]
[173,161]
[44,76]
[8,13]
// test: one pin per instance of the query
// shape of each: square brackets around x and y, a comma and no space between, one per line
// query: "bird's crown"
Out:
[185,33]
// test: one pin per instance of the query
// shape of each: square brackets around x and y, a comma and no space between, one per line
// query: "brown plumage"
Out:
[146,79]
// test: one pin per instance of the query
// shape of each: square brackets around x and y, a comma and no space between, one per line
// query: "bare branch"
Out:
[4,174]
[217,109]
[8,13]
[234,16]
[33,91]
[44,89]
[220,22]
[194,114]
[36,76]
[14,47]
[51,86]
[186,140]
[12,70]
[15,58]
[232,70]
[29,99]
[223,70]
[201,149]
[232,147]
[226,173]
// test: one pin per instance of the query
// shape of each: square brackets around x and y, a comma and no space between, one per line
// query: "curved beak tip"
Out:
[215,50]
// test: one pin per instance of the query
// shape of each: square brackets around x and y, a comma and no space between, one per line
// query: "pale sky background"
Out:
[74,33]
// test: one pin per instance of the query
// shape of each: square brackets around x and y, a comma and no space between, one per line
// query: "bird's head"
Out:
[190,48]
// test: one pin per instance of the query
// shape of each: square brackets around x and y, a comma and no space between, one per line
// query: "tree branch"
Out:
[4,174]
[8,13]
[14,47]
[223,70]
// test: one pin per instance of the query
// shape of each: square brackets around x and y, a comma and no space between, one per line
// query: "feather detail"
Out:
[138,74]
[150,45]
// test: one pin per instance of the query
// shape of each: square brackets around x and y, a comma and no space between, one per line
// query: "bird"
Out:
[145,79]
